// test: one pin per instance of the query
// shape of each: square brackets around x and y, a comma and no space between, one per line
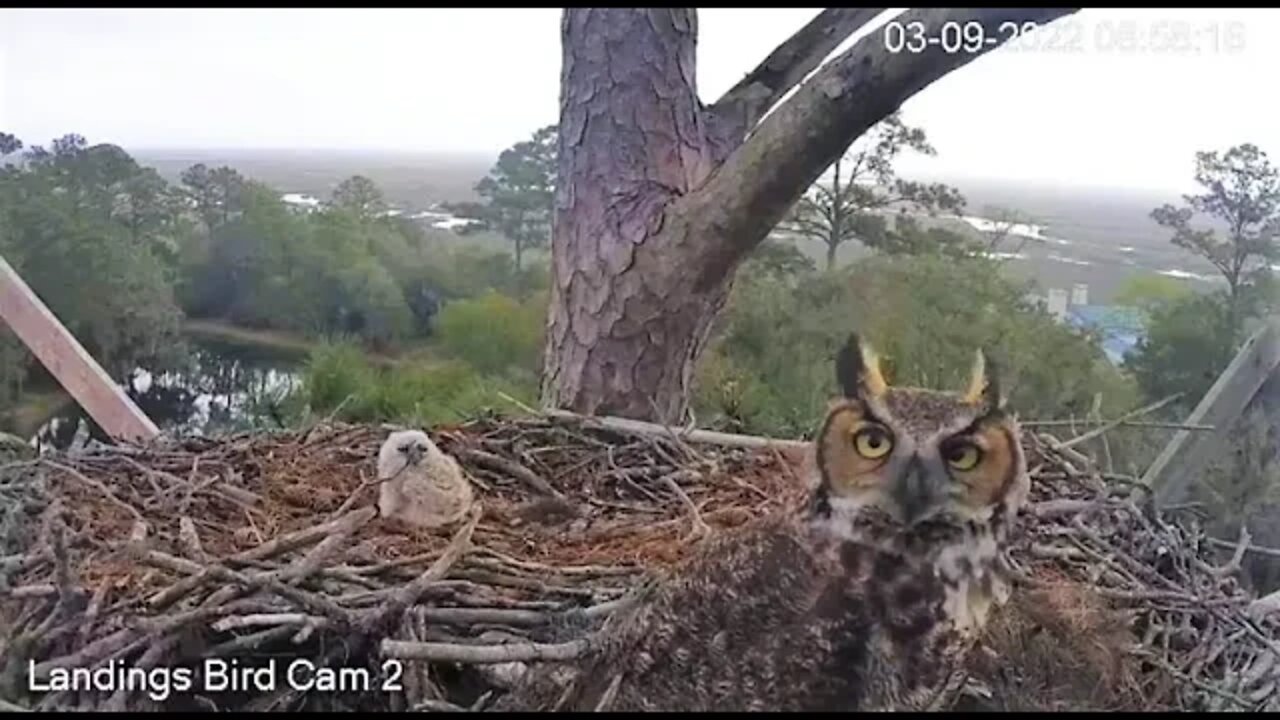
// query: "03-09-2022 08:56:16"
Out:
[1068,35]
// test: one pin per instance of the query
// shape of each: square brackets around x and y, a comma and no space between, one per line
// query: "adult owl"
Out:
[863,599]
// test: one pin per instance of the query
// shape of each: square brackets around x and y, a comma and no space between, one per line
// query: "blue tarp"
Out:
[1120,327]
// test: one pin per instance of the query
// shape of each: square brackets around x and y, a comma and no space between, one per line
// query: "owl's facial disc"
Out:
[864,464]
[917,454]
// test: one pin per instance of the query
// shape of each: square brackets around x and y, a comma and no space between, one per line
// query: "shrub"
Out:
[493,333]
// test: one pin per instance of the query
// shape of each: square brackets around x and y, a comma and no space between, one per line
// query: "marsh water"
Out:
[218,387]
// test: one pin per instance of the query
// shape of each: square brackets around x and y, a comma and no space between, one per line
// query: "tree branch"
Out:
[748,101]
[752,190]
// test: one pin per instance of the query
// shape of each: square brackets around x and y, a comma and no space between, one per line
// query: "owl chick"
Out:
[421,486]
[863,599]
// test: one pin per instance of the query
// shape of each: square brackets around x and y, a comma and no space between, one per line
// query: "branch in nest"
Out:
[512,468]
[1237,557]
[402,599]
[1107,427]
[700,529]
[709,437]
[267,582]
[482,654]
[295,539]
[232,622]
[96,485]
[190,540]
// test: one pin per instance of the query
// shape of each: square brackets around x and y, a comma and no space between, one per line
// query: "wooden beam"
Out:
[1184,457]
[67,360]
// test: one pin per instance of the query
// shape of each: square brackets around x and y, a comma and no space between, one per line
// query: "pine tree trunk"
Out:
[658,197]
[628,317]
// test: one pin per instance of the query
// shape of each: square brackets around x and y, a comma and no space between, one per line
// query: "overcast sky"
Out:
[477,80]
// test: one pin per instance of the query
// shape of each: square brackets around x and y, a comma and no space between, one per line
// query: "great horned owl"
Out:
[863,599]
[421,486]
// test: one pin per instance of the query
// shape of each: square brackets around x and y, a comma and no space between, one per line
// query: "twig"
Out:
[1273,552]
[23,592]
[342,530]
[96,485]
[611,692]
[482,654]
[700,528]
[437,706]
[251,642]
[292,540]
[1122,423]
[232,622]
[408,595]
[328,419]
[670,433]
[517,403]
[190,540]
[709,437]
[1107,427]
[512,468]
[7,706]
[1233,566]
[365,483]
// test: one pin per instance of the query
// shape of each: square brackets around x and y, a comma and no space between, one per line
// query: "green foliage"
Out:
[847,204]
[339,380]
[494,333]
[778,258]
[336,375]
[361,197]
[519,191]
[1188,344]
[461,271]
[1003,221]
[1150,291]
[770,369]
[1242,192]
[217,194]
[101,271]
[909,237]
[9,144]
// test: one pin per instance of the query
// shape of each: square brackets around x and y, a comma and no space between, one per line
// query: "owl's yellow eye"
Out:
[963,456]
[872,443]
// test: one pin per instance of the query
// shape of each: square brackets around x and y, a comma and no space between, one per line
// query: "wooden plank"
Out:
[1184,457]
[67,360]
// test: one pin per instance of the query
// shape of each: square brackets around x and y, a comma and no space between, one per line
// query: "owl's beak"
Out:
[414,453]
[913,492]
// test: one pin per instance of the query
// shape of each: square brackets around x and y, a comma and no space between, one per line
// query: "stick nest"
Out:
[265,549]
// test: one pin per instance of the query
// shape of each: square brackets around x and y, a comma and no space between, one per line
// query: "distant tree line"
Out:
[120,255]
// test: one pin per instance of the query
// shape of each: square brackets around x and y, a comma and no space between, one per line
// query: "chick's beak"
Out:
[414,453]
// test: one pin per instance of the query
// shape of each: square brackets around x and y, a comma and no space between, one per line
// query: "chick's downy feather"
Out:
[421,486]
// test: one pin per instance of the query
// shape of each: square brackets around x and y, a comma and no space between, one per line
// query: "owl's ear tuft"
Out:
[984,384]
[858,369]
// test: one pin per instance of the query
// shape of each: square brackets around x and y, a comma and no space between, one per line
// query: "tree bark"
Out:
[659,198]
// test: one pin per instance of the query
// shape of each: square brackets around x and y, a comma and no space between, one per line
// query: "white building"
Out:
[302,201]
[1058,303]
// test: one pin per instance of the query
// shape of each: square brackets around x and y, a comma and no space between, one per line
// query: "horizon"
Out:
[484,158]
[441,82]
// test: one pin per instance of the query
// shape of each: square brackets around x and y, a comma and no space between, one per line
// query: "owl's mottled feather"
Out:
[863,599]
